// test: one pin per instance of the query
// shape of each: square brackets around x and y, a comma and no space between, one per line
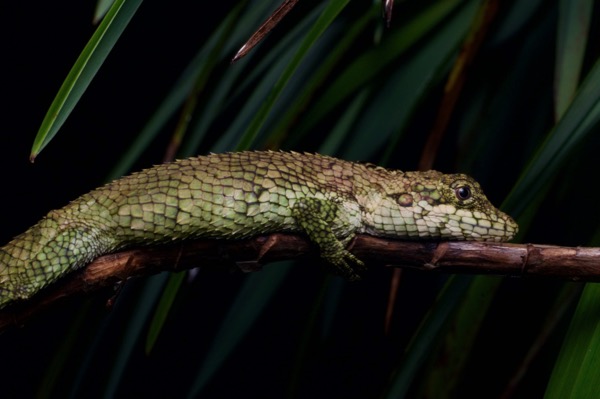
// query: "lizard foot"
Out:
[345,264]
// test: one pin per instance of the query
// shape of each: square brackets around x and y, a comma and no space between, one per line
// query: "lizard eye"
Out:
[463,193]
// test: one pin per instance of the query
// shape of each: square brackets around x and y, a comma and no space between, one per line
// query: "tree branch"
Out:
[568,263]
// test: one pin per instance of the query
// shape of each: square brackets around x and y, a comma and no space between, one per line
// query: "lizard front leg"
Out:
[317,217]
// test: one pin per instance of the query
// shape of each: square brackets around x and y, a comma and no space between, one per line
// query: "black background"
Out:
[40,43]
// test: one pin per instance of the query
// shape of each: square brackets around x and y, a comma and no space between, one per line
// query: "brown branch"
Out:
[568,263]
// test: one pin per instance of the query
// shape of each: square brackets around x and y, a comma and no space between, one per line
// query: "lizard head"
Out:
[436,205]
[468,211]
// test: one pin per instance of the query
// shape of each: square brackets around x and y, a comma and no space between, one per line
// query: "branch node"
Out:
[525,259]
[268,243]
[438,253]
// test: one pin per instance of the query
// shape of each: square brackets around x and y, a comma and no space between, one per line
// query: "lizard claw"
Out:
[345,264]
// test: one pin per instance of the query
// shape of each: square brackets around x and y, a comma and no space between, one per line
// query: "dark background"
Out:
[40,43]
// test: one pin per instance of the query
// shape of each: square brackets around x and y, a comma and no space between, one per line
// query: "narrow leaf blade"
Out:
[85,68]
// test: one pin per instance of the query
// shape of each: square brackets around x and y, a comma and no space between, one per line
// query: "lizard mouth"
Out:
[497,228]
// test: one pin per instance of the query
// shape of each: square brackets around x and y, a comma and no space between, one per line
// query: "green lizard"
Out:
[238,195]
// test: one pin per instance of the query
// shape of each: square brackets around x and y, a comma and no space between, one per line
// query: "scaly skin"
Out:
[238,195]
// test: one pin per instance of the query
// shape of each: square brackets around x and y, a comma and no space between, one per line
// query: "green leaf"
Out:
[102,7]
[144,309]
[577,369]
[429,332]
[458,335]
[244,24]
[333,8]
[262,79]
[574,19]
[164,307]
[576,124]
[87,65]
[323,70]
[373,62]
[341,130]
[407,85]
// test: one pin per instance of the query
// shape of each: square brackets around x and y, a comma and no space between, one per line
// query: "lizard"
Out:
[238,195]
